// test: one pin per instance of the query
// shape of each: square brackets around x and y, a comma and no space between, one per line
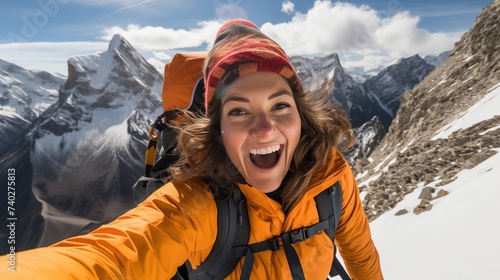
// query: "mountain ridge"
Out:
[410,154]
[80,157]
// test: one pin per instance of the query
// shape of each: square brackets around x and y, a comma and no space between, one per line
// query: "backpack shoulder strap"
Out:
[233,230]
[329,204]
[329,207]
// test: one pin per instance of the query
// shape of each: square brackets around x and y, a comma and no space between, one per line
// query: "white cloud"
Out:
[287,7]
[348,29]
[401,33]
[161,38]
[158,64]
[162,55]
[371,64]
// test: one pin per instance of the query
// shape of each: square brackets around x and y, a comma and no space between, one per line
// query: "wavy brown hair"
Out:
[325,125]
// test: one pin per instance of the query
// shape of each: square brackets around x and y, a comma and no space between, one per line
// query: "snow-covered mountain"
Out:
[28,93]
[436,60]
[80,157]
[24,95]
[457,235]
[377,96]
[386,88]
[317,68]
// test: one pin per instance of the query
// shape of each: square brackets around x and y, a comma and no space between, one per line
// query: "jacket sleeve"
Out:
[174,224]
[353,236]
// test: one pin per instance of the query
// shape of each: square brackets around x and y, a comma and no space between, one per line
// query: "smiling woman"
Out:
[265,140]
[277,142]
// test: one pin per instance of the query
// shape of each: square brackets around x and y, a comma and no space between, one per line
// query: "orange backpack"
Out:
[183,89]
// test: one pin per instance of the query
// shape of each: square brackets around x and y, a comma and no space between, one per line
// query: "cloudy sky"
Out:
[43,34]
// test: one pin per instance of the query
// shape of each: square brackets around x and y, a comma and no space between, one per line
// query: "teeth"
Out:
[265,151]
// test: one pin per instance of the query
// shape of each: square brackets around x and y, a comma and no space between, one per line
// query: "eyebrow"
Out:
[246,100]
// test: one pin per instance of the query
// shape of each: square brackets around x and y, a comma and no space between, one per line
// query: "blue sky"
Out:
[44,34]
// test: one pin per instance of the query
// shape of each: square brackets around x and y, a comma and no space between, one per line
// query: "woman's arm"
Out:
[353,236]
[174,224]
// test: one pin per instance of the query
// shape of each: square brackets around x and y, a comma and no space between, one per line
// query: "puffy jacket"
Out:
[178,222]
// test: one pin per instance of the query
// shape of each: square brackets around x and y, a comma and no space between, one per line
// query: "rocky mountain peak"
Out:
[411,154]
[118,42]
[387,87]
[27,92]
[94,71]
[317,68]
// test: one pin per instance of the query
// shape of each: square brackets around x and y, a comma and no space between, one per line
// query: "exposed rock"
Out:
[426,193]
[424,205]
[401,212]
[478,158]
[410,154]
[442,193]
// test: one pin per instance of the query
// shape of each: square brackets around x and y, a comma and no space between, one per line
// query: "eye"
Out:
[281,106]
[236,112]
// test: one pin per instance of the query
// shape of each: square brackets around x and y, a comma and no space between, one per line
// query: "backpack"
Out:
[183,88]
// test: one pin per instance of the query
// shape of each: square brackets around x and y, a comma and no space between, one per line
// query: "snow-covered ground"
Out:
[484,109]
[460,237]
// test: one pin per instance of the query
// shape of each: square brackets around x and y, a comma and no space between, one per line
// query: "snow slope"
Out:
[485,109]
[460,237]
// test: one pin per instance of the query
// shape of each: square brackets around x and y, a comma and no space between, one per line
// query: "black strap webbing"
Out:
[233,230]
[293,260]
[329,204]
[340,269]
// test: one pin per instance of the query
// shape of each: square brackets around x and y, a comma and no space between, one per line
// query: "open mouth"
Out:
[267,157]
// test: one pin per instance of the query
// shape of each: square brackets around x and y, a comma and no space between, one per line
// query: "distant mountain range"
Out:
[376,96]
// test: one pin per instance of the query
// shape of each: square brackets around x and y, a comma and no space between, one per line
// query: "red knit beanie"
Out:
[240,48]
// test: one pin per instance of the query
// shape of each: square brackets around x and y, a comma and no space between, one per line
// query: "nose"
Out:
[262,127]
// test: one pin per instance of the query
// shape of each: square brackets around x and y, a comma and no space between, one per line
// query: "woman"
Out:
[262,134]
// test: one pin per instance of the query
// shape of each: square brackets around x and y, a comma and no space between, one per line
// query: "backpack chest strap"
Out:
[294,236]
[286,239]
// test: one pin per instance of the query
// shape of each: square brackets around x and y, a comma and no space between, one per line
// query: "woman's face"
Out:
[260,127]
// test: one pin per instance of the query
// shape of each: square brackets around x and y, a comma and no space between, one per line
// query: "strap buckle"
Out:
[297,235]
[274,244]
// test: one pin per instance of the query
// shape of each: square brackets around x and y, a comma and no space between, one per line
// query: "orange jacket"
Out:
[178,222]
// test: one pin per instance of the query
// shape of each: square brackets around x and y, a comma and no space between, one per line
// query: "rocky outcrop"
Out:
[410,154]
[426,162]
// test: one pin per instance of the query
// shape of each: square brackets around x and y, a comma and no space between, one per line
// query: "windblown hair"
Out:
[324,126]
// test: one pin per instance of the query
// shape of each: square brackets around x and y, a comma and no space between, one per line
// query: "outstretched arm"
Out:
[174,224]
